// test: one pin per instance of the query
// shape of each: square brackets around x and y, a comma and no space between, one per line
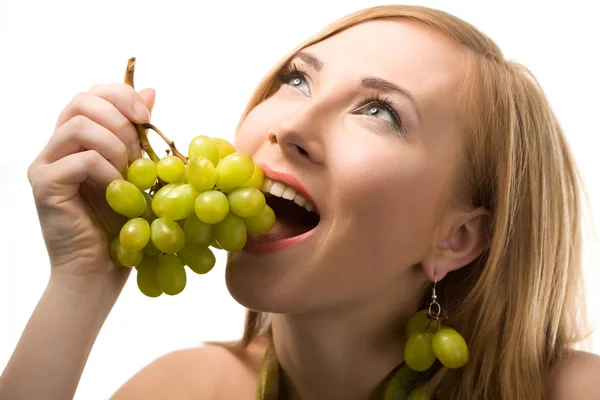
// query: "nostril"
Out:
[302,151]
[272,138]
[297,148]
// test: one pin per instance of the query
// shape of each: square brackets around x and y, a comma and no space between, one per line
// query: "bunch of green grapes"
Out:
[428,339]
[176,211]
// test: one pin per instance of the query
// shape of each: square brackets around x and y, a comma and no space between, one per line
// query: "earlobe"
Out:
[462,242]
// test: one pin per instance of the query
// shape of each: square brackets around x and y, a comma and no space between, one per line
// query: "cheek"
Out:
[390,200]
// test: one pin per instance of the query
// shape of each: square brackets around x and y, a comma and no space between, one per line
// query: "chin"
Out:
[252,283]
[261,283]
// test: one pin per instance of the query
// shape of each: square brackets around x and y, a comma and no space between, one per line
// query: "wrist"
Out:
[99,291]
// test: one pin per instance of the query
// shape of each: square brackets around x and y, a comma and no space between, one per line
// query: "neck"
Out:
[340,354]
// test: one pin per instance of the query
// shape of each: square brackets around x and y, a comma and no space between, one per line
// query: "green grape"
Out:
[170,169]
[198,234]
[225,148]
[151,250]
[201,174]
[177,203]
[450,348]
[148,214]
[418,393]
[211,206]
[261,223]
[135,234]
[142,173]
[170,275]
[160,194]
[231,233]
[418,322]
[200,262]
[400,383]
[146,277]
[203,146]
[167,235]
[257,178]
[418,351]
[125,198]
[215,245]
[123,257]
[246,202]
[234,170]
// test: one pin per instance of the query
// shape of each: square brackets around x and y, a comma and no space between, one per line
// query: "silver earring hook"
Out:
[434,303]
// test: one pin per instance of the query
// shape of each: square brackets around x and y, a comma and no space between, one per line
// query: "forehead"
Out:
[411,54]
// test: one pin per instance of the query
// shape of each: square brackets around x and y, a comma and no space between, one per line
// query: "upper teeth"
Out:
[284,191]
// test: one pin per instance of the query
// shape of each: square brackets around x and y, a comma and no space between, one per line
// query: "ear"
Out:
[462,239]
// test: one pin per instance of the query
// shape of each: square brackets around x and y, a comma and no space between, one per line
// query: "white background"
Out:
[204,61]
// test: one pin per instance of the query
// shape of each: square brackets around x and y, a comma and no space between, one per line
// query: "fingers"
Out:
[104,113]
[121,96]
[95,137]
[148,96]
[59,181]
[79,134]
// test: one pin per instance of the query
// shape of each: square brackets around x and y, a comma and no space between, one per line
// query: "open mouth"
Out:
[295,214]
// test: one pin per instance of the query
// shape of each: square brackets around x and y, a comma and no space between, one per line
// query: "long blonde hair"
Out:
[519,305]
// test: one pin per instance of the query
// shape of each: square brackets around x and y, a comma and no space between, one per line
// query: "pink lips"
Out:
[257,246]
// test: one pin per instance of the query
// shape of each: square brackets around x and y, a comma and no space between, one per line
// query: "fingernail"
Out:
[141,111]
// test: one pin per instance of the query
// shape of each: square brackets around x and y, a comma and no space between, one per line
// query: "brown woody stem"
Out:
[167,141]
[143,137]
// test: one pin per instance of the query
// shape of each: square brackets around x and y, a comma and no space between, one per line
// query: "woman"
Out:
[429,159]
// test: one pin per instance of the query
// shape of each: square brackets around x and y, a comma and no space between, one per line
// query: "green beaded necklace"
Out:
[401,384]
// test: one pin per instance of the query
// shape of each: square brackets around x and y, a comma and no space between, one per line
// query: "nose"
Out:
[300,136]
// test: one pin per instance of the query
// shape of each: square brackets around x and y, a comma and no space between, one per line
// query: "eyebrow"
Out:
[368,82]
[371,82]
[310,60]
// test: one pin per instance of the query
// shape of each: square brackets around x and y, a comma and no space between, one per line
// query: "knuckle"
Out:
[121,89]
[31,173]
[79,122]
[96,88]
[93,158]
[78,100]
[73,107]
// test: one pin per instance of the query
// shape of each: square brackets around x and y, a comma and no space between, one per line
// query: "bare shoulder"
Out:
[576,376]
[211,371]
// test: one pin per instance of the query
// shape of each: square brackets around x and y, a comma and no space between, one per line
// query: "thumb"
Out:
[148,95]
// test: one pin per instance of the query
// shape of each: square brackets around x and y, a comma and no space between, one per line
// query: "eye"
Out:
[300,83]
[377,110]
[293,76]
[382,108]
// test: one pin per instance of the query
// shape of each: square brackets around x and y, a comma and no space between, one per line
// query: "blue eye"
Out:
[293,76]
[381,111]
[382,108]
[298,83]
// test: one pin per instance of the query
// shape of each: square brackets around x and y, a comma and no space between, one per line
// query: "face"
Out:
[365,121]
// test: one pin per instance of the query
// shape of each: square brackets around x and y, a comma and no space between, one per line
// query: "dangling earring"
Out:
[428,340]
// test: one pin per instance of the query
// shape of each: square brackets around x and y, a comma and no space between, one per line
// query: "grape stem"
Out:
[143,137]
[167,141]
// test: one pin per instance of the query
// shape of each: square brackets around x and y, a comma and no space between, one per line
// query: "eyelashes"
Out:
[292,72]
[378,100]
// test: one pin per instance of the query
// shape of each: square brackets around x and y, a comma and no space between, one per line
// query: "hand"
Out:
[93,144]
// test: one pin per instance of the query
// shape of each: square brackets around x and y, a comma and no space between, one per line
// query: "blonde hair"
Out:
[519,304]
